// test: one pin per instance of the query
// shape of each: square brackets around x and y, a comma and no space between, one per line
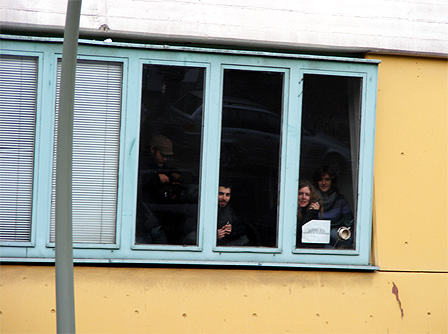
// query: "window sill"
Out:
[240,264]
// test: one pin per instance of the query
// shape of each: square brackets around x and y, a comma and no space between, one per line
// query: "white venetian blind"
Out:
[96,138]
[18,86]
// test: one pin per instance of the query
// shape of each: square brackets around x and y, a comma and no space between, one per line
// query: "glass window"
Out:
[170,151]
[328,162]
[250,153]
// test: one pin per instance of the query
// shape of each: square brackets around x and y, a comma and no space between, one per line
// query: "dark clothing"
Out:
[149,231]
[189,231]
[148,223]
[236,238]
[238,235]
[337,210]
[150,187]
[163,207]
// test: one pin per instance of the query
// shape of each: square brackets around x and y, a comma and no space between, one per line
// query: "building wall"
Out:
[407,295]
[411,164]
[142,300]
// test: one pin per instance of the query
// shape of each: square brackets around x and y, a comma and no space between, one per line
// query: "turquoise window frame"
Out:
[133,57]
[37,140]
[367,126]
[284,131]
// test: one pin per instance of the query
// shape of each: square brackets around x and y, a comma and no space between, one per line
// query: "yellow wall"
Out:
[411,164]
[410,246]
[139,300]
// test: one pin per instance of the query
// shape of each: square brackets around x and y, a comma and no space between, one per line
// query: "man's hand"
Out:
[164,178]
[225,230]
[221,233]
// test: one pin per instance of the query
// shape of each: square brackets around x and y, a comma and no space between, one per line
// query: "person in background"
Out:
[160,149]
[335,208]
[154,177]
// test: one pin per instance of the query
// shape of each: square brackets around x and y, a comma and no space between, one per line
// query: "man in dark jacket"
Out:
[230,230]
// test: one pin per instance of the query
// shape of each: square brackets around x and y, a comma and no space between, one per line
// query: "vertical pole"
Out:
[65,301]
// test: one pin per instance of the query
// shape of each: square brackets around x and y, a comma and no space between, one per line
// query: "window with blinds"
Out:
[159,136]
[96,139]
[18,88]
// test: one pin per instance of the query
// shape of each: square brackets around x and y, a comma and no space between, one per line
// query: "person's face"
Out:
[159,157]
[324,183]
[304,197]
[223,196]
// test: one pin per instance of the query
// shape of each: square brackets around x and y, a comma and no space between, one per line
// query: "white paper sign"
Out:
[316,232]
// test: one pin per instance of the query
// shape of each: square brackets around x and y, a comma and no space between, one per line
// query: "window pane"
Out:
[18,86]
[250,153]
[329,162]
[170,146]
[96,142]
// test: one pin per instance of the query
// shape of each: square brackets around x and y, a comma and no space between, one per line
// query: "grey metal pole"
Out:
[65,300]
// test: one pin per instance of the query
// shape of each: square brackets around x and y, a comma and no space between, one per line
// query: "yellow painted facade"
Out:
[409,294]
[141,300]
[411,164]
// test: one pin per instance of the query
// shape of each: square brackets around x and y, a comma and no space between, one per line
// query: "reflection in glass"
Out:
[250,153]
[169,157]
[329,161]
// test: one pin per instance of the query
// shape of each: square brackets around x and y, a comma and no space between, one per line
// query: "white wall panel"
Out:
[412,26]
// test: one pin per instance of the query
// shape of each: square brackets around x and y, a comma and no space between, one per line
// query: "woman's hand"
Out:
[314,206]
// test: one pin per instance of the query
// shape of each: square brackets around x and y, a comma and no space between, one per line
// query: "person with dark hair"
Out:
[230,230]
[153,180]
[308,207]
[335,208]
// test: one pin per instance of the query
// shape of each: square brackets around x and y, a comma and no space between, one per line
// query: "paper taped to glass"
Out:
[316,232]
